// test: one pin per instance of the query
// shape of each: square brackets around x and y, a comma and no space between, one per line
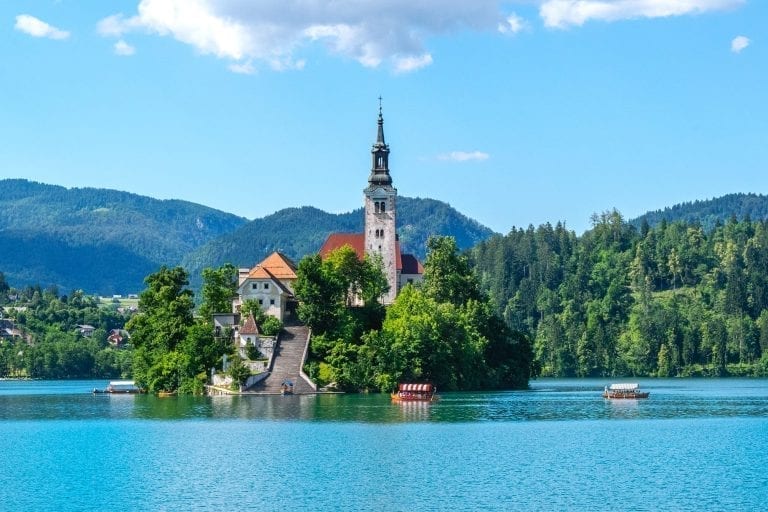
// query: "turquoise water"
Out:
[694,445]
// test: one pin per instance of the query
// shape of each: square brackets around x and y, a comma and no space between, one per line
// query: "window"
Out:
[261,302]
[410,281]
[383,209]
[266,286]
[255,286]
[271,302]
[376,206]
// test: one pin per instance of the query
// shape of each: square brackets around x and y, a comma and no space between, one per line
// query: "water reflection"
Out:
[547,400]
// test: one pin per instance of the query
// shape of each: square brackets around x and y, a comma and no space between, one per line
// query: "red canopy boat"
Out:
[412,392]
[624,390]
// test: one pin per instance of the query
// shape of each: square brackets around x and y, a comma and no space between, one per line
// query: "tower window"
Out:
[377,206]
[383,208]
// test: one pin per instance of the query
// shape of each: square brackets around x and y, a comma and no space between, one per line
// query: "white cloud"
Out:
[563,13]
[408,64]
[117,25]
[242,68]
[739,43]
[124,49]
[512,25]
[391,33]
[464,156]
[38,28]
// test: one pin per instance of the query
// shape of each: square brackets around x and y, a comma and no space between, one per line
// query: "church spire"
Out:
[380,135]
[380,153]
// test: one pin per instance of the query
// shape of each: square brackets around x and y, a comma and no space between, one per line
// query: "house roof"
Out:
[278,266]
[249,327]
[263,273]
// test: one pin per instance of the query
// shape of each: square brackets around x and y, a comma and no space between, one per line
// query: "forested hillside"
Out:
[106,241]
[297,232]
[675,299]
[102,241]
[708,213]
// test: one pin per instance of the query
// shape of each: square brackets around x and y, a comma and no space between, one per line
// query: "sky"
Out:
[516,113]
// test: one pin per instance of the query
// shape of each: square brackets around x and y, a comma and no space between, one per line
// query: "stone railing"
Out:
[304,361]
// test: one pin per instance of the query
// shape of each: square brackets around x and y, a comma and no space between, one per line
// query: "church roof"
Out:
[407,263]
[277,266]
[411,265]
[249,327]
[338,240]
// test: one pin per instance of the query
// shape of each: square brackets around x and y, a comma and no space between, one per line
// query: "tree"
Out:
[219,286]
[447,275]
[322,295]
[165,316]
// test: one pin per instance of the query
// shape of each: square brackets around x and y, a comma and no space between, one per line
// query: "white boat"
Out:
[624,390]
[120,386]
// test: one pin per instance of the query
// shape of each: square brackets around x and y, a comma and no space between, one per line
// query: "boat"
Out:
[121,387]
[166,394]
[624,390]
[415,392]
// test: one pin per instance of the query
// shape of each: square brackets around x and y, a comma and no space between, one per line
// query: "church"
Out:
[270,282]
[379,237]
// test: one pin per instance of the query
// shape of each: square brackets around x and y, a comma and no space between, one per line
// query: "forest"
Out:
[48,345]
[675,299]
[444,331]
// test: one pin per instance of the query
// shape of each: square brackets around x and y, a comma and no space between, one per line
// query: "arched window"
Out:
[383,208]
[376,204]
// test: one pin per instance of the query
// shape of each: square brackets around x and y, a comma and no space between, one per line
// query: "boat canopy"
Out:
[624,387]
[122,383]
[416,387]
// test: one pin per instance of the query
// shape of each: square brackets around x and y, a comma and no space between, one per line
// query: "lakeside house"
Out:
[85,330]
[118,337]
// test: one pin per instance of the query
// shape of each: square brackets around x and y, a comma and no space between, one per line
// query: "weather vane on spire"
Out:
[379,104]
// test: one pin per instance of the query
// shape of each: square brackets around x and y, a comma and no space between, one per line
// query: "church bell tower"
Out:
[380,210]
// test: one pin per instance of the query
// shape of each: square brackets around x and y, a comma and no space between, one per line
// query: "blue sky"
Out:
[514,112]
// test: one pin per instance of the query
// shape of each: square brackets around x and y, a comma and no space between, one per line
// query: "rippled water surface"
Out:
[694,444]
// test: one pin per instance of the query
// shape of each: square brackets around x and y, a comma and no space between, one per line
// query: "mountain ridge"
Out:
[106,241]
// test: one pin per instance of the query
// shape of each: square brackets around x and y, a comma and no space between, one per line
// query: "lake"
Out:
[693,445]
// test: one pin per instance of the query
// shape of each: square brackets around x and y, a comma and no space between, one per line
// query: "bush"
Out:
[271,326]
[253,352]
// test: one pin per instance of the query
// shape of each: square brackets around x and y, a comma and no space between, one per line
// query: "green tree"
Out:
[219,286]
[163,322]
[447,275]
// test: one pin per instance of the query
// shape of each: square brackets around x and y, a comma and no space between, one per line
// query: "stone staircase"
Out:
[287,362]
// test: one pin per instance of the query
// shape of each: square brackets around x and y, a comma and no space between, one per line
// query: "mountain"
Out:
[103,241]
[708,213]
[297,232]
[107,241]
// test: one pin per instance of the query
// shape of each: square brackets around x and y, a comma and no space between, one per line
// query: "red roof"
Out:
[277,265]
[338,240]
[249,327]
[407,263]
[411,265]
